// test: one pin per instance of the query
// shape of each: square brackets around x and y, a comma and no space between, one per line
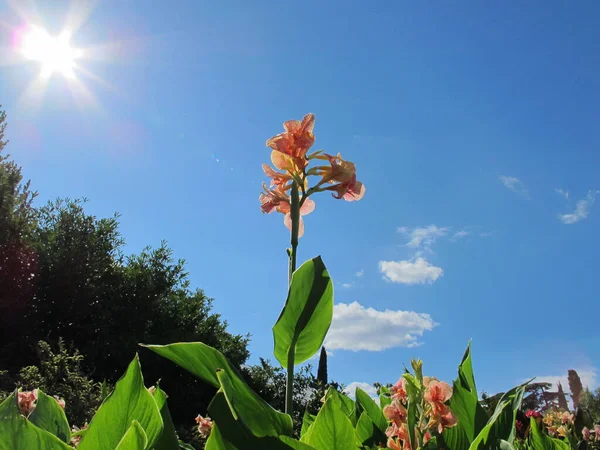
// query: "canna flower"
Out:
[562,431]
[204,425]
[597,431]
[395,412]
[532,413]
[391,443]
[60,402]
[26,401]
[277,200]
[398,390]
[426,437]
[566,417]
[342,175]
[277,178]
[552,431]
[444,418]
[585,433]
[436,394]
[76,439]
[296,140]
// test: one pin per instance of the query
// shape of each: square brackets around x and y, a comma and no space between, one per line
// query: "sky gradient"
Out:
[473,125]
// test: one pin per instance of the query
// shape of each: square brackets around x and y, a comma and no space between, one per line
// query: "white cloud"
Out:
[355,328]
[562,192]
[486,234]
[350,390]
[347,285]
[423,236]
[415,271]
[460,234]
[514,184]
[588,375]
[582,209]
[360,273]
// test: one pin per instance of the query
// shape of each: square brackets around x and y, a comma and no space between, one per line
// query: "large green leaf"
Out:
[501,425]
[216,441]
[18,433]
[332,429]
[168,438]
[257,415]
[233,432]
[365,429]
[129,401]
[372,409]
[541,441]
[197,358]
[344,403]
[306,316]
[49,416]
[134,439]
[307,420]
[465,405]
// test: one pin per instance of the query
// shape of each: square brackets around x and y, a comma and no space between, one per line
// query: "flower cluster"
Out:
[76,439]
[433,414]
[558,422]
[27,401]
[204,425]
[591,436]
[290,156]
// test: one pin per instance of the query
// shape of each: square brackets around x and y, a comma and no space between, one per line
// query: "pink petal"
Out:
[287,220]
[307,207]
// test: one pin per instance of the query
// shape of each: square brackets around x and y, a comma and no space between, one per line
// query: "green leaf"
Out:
[128,402]
[216,441]
[197,358]
[18,433]
[332,430]
[257,415]
[307,420]
[294,444]
[168,438]
[364,429]
[372,409]
[186,446]
[306,316]
[501,424]
[49,416]
[540,441]
[134,439]
[465,405]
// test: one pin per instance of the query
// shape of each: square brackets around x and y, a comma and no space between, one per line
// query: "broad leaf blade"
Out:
[540,441]
[257,415]
[134,439]
[372,409]
[307,420]
[129,401]
[49,416]
[332,430]
[168,438]
[306,316]
[18,433]
[199,359]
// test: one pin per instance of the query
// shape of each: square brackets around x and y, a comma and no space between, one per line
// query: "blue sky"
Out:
[463,118]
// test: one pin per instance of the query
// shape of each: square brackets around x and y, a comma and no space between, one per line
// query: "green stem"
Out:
[295,213]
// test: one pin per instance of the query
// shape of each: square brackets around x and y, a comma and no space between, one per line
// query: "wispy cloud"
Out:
[347,285]
[582,209]
[360,273]
[350,390]
[562,193]
[459,235]
[415,271]
[515,185]
[423,236]
[486,233]
[355,328]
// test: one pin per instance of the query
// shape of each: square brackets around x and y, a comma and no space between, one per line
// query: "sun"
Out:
[54,53]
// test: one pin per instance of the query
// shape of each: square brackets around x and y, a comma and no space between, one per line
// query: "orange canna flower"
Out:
[296,140]
[399,390]
[395,412]
[562,431]
[277,200]
[444,418]
[60,402]
[342,174]
[567,417]
[277,178]
[204,425]
[391,443]
[436,394]
[27,401]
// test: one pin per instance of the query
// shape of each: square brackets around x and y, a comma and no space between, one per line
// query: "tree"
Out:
[18,262]
[590,401]
[322,370]
[575,387]
[562,399]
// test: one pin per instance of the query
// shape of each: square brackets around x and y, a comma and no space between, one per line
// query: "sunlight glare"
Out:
[54,53]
